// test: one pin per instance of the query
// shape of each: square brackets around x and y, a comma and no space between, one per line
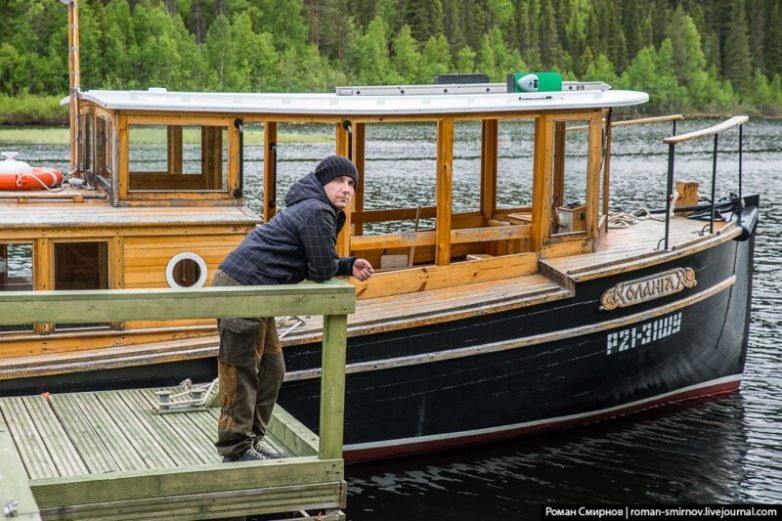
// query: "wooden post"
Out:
[75,79]
[343,239]
[444,188]
[174,149]
[541,182]
[489,132]
[688,193]
[607,171]
[269,170]
[332,386]
[359,150]
[43,276]
[559,165]
[124,158]
[594,151]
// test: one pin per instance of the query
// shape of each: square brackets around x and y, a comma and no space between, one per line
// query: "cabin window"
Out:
[569,190]
[85,141]
[515,147]
[16,273]
[81,265]
[103,149]
[177,158]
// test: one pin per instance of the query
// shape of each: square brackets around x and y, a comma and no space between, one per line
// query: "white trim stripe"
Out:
[403,361]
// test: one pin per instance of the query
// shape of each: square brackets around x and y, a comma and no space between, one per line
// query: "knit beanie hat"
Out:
[333,167]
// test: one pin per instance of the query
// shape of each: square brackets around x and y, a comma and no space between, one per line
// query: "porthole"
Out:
[186,270]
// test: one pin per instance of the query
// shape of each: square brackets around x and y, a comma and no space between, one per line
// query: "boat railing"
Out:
[638,121]
[333,299]
[714,130]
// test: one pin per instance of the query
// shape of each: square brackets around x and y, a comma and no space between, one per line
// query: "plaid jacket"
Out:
[297,243]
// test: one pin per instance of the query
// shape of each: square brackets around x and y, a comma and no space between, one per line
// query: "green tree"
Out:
[406,59]
[465,60]
[688,58]
[737,65]
[424,18]
[436,59]
[373,65]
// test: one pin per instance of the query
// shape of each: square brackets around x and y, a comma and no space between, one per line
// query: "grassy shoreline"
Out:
[45,135]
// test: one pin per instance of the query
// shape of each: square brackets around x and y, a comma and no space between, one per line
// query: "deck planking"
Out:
[66,435]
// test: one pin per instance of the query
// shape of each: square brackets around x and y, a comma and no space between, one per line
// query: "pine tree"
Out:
[406,59]
[737,62]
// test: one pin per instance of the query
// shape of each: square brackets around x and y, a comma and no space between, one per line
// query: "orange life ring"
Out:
[38,179]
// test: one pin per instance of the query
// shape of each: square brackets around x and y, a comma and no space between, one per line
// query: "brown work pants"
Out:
[251,368]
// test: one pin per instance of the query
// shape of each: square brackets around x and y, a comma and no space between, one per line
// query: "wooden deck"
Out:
[97,455]
[107,456]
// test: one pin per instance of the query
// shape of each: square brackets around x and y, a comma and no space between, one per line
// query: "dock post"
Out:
[332,386]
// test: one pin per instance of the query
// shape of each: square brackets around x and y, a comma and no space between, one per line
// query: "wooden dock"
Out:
[107,455]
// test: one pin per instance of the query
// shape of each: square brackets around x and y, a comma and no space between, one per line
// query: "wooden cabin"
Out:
[164,200]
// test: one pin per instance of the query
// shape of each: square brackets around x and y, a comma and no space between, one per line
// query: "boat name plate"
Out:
[631,292]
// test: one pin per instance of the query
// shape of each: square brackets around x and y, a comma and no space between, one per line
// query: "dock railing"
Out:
[674,140]
[332,299]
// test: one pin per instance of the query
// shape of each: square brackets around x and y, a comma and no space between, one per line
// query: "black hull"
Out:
[511,373]
[472,394]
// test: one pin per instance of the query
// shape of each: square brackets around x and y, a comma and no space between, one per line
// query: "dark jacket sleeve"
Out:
[319,237]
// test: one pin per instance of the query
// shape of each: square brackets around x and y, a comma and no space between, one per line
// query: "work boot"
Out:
[267,450]
[249,455]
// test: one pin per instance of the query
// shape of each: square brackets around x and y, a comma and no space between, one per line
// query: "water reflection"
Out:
[687,453]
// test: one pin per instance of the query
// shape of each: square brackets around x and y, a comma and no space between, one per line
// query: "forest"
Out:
[707,57]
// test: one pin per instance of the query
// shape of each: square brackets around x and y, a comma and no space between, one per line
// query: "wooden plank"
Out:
[14,484]
[594,152]
[179,446]
[117,447]
[28,440]
[127,304]
[607,175]
[123,158]
[488,198]
[196,431]
[269,170]
[444,190]
[632,122]
[131,424]
[174,150]
[541,181]
[359,153]
[322,497]
[332,386]
[343,238]
[558,191]
[714,129]
[83,434]
[293,435]
[432,277]
[62,452]
[203,479]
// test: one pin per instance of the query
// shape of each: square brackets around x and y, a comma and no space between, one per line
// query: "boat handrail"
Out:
[715,129]
[638,121]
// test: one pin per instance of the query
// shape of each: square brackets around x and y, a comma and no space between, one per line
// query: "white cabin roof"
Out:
[331,104]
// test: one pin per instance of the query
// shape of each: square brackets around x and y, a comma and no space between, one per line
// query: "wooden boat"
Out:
[498,322]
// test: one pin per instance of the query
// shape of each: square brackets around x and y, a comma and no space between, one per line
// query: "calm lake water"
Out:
[725,449]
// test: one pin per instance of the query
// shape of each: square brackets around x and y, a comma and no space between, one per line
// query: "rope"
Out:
[618,220]
[38,179]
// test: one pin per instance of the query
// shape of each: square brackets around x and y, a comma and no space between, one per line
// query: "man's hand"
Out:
[362,269]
